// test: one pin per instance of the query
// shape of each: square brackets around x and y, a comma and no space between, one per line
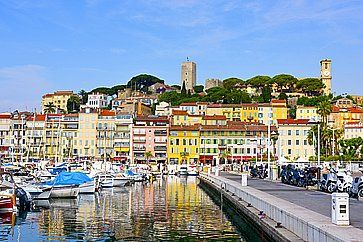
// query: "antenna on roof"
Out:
[187,58]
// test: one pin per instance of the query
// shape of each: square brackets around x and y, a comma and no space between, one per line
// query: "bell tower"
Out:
[325,75]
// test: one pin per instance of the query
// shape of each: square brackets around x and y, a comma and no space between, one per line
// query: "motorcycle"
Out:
[344,183]
[329,181]
[286,173]
[357,187]
[310,174]
[297,178]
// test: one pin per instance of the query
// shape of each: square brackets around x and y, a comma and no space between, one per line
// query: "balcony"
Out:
[160,148]
[139,148]
[160,133]
[139,140]
[157,141]
[139,134]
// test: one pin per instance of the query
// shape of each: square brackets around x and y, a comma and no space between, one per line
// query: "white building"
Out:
[353,130]
[97,100]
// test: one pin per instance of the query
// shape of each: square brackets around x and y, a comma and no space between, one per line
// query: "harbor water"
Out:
[169,209]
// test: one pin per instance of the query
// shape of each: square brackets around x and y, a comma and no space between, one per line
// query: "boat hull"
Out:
[88,187]
[64,192]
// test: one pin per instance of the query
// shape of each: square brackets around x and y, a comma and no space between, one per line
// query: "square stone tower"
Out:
[188,75]
[325,75]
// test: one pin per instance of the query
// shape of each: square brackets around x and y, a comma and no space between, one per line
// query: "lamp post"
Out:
[269,144]
[313,121]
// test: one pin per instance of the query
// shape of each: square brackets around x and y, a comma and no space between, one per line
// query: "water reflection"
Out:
[170,209]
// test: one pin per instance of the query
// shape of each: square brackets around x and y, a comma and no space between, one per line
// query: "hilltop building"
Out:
[213,82]
[58,98]
[325,75]
[189,75]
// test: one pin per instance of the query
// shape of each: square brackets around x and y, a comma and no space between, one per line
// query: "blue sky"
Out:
[72,45]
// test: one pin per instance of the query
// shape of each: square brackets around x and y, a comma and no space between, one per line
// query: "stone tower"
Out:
[188,75]
[325,75]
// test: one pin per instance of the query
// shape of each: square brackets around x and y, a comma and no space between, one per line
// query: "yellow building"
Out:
[105,134]
[277,109]
[69,132]
[307,112]
[183,144]
[85,142]
[58,98]
[181,117]
[293,139]
[341,116]
[247,112]
[52,139]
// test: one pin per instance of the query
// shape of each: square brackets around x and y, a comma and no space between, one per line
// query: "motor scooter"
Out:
[357,187]
[328,181]
[344,183]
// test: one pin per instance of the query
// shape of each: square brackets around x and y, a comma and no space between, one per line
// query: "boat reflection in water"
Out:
[171,208]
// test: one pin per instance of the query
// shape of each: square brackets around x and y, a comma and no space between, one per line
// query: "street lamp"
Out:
[313,121]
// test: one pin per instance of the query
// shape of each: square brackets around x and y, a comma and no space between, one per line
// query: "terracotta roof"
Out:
[355,110]
[292,121]
[153,118]
[5,115]
[189,104]
[214,117]
[184,127]
[278,101]
[335,109]
[179,112]
[38,117]
[105,112]
[219,105]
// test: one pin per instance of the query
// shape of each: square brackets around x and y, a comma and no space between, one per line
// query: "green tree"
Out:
[183,90]
[259,81]
[49,108]
[324,109]
[84,96]
[143,81]
[266,94]
[198,88]
[73,104]
[284,81]
[178,87]
[148,156]
[352,148]
[232,82]
[310,86]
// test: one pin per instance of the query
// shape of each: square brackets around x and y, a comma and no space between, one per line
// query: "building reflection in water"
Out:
[168,209]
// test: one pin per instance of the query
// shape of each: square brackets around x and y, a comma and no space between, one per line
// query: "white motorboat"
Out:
[88,187]
[67,191]
[120,181]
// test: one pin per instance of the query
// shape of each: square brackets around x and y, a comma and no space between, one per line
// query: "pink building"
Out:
[150,134]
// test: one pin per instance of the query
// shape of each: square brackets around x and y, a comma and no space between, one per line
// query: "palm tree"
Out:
[49,108]
[324,109]
[148,155]
[225,155]
[184,155]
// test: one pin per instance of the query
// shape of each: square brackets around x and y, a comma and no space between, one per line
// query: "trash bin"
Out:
[340,208]
[244,179]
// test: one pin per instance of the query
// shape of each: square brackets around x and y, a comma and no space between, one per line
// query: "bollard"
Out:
[244,179]
[217,171]
[340,208]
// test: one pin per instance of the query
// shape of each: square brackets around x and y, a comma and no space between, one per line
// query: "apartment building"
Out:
[293,139]
[149,139]
[58,99]
[123,137]
[5,122]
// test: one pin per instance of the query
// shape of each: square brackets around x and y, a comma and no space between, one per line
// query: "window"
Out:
[289,151]
[297,142]
[305,142]
[289,142]
[289,132]
[297,132]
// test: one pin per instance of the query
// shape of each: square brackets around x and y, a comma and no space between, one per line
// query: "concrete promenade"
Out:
[276,201]
[316,201]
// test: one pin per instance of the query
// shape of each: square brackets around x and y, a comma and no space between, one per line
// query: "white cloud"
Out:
[24,86]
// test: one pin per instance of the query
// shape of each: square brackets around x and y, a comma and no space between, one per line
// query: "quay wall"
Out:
[302,222]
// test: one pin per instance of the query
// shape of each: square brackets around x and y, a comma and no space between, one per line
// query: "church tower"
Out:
[325,75]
